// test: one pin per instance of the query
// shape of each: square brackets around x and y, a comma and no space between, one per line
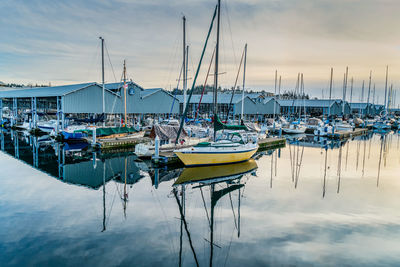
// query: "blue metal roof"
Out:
[116,86]
[44,91]
[147,92]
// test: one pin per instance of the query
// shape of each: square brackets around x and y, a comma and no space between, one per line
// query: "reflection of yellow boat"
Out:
[216,172]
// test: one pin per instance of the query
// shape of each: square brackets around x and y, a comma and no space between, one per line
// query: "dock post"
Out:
[58,115]
[14,112]
[94,160]
[94,136]
[156,177]
[34,113]
[280,132]
[2,140]
[1,108]
[157,148]
[62,113]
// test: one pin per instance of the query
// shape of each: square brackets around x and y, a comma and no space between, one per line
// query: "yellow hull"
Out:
[195,159]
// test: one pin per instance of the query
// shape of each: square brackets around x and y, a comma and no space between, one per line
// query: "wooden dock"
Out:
[271,143]
[121,143]
[169,158]
[339,135]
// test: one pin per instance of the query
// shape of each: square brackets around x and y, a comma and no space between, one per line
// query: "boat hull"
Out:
[294,131]
[196,158]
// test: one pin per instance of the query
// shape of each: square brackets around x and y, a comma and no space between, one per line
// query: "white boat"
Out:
[294,129]
[25,126]
[314,123]
[148,150]
[343,126]
[382,125]
[49,126]
[323,130]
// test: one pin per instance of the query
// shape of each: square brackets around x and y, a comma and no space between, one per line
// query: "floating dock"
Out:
[339,135]
[121,143]
[169,158]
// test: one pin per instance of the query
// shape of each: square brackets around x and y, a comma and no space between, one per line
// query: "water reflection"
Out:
[228,178]
[310,200]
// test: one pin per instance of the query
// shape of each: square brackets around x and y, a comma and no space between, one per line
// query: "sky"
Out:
[47,41]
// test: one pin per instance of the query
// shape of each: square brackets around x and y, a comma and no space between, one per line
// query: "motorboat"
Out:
[294,128]
[323,130]
[314,123]
[382,125]
[49,126]
[344,126]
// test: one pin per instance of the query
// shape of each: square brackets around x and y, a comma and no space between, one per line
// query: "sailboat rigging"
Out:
[217,152]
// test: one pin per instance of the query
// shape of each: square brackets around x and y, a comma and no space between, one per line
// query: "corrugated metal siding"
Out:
[88,100]
[250,108]
[267,108]
[158,102]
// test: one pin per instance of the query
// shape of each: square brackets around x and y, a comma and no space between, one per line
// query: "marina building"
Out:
[363,109]
[84,101]
[313,107]
[252,107]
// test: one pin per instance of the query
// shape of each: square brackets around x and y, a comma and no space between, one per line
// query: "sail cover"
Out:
[218,125]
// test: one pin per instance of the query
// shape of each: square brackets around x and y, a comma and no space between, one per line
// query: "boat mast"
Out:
[102,73]
[184,62]
[351,91]
[362,97]
[345,88]
[125,92]
[387,70]
[330,92]
[373,96]
[216,69]
[244,80]
[276,83]
[369,91]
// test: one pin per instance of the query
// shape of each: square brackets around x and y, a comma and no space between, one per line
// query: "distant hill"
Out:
[16,85]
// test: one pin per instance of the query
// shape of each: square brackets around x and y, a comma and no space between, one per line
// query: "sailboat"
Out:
[217,152]
[297,127]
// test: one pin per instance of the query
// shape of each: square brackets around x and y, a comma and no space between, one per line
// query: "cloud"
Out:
[45,40]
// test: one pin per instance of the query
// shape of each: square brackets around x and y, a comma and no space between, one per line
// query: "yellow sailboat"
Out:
[221,152]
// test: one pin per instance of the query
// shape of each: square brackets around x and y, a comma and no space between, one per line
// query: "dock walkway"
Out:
[339,135]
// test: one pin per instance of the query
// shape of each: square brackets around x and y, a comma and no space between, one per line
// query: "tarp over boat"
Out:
[166,132]
[110,131]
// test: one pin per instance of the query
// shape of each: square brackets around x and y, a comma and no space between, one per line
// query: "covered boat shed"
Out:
[364,109]
[155,101]
[314,107]
[206,107]
[251,107]
[85,98]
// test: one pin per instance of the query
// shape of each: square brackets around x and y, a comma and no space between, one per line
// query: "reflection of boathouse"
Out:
[56,160]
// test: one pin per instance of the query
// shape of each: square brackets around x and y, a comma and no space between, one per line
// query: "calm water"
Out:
[310,203]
